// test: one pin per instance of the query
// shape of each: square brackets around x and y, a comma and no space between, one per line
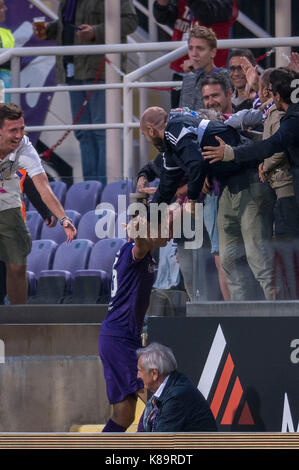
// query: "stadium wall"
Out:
[51,377]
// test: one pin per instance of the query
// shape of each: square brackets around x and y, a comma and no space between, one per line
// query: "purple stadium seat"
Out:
[83,196]
[31,281]
[97,224]
[89,287]
[51,289]
[103,254]
[59,188]
[55,283]
[116,188]
[120,230]
[92,285]
[57,233]
[34,223]
[71,256]
[41,256]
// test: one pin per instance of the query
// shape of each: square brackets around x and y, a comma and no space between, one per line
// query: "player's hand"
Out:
[85,33]
[69,230]
[294,62]
[207,186]
[214,154]
[51,221]
[262,173]
[142,184]
[187,66]
[251,73]
[149,190]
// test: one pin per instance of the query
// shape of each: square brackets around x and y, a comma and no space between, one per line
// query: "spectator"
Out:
[216,94]
[219,16]
[242,97]
[202,47]
[179,15]
[28,188]
[275,169]
[120,334]
[282,118]
[83,23]
[282,86]
[16,153]
[176,405]
[6,41]
[181,136]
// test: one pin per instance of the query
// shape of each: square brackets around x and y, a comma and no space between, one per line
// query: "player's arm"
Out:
[36,200]
[286,135]
[141,248]
[138,230]
[43,187]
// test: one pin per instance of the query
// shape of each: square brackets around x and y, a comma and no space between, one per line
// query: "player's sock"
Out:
[111,426]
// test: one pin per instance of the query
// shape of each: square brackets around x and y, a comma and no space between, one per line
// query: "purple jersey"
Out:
[132,283]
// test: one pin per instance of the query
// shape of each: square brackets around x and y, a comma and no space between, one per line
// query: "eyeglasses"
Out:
[235,68]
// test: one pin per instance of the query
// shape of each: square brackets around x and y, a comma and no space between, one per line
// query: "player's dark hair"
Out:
[281,80]
[10,111]
[243,53]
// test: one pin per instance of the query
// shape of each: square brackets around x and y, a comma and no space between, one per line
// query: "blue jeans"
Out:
[92,142]
[210,211]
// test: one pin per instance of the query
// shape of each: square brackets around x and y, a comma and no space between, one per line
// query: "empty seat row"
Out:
[55,271]
[84,196]
[93,225]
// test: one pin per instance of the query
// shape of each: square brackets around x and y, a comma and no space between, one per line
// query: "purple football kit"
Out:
[120,333]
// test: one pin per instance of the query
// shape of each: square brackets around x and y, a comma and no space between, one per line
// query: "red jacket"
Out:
[181,25]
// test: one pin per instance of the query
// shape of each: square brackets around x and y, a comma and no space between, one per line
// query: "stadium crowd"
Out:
[229,140]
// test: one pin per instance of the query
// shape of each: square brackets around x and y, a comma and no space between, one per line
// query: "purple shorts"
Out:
[119,360]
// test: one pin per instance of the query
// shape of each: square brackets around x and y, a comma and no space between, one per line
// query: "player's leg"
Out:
[16,284]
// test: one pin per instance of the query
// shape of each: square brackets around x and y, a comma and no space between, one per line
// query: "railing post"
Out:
[283,27]
[143,104]
[128,131]
[152,25]
[113,97]
[16,78]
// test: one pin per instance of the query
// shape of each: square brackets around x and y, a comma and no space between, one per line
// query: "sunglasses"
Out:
[235,68]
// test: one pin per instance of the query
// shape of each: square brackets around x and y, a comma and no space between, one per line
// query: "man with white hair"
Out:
[176,404]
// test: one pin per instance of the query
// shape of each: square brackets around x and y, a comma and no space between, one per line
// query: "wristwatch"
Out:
[65,217]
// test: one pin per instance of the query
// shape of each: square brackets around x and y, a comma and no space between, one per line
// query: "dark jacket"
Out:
[90,12]
[182,156]
[286,138]
[183,408]
[211,11]
[207,11]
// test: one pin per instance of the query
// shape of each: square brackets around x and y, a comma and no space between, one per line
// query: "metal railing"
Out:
[130,80]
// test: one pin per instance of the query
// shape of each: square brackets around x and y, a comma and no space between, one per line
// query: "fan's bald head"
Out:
[155,117]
